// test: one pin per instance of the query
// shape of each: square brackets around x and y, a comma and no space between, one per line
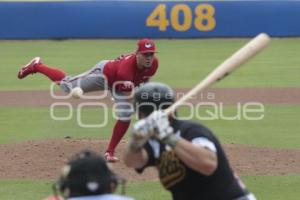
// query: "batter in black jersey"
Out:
[189,158]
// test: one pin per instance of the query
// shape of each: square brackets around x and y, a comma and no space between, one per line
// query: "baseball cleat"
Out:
[29,68]
[109,157]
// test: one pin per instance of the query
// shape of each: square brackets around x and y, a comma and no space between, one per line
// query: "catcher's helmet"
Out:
[86,174]
[153,96]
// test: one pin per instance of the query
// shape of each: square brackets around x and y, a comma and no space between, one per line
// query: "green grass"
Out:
[24,189]
[147,191]
[36,189]
[36,123]
[264,187]
[279,127]
[274,187]
[183,63]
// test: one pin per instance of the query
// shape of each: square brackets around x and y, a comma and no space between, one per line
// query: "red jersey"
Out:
[124,68]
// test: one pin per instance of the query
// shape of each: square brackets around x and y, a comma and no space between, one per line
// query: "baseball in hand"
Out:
[76,92]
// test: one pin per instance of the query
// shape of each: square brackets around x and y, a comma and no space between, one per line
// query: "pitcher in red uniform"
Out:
[120,76]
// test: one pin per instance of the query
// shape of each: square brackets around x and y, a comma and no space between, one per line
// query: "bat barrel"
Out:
[240,57]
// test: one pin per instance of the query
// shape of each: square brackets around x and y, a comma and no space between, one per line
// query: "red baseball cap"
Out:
[146,46]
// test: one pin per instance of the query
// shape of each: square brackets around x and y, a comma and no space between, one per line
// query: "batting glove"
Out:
[161,124]
[141,132]
[162,128]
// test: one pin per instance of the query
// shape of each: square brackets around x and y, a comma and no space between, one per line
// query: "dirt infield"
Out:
[44,158]
[227,96]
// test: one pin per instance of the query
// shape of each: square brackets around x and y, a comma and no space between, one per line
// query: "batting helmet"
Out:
[153,96]
[86,174]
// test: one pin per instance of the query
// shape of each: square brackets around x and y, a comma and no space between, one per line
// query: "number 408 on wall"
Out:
[203,19]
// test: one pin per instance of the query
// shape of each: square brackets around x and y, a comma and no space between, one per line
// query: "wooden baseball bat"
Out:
[240,57]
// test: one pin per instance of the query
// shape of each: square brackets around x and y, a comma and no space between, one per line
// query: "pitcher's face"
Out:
[144,60]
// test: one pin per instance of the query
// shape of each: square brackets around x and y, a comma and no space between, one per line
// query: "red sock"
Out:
[56,75]
[119,131]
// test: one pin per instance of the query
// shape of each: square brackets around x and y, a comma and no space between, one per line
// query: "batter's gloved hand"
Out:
[141,132]
[162,128]
[161,124]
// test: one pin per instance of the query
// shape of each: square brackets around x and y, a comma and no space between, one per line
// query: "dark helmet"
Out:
[86,174]
[153,96]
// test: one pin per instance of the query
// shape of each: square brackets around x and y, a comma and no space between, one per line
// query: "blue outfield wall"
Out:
[156,19]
